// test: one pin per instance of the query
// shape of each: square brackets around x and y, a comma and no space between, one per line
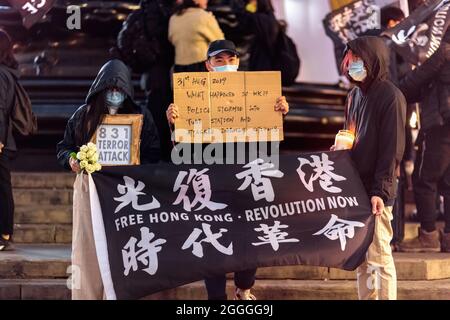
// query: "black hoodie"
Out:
[376,113]
[113,74]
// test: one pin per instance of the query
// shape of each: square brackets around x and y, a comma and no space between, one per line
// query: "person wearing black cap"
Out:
[222,56]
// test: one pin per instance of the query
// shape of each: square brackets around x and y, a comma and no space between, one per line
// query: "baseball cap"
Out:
[220,46]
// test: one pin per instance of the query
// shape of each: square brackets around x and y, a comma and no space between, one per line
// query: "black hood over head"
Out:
[375,54]
[114,73]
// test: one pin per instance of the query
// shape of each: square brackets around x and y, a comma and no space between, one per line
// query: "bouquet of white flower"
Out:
[88,158]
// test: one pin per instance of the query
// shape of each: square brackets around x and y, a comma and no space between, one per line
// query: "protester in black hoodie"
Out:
[376,112]
[110,93]
[8,75]
[114,76]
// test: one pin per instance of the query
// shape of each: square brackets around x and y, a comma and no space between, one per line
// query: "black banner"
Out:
[417,37]
[32,10]
[161,226]
[351,21]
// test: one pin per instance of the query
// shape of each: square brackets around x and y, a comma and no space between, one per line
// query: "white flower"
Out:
[84,149]
[92,146]
[90,154]
[94,158]
[98,166]
[83,164]
[81,156]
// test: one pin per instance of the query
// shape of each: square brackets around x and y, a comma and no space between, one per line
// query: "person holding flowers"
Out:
[110,93]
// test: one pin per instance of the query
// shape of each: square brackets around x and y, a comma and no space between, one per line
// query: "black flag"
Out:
[32,10]
[417,37]
[161,226]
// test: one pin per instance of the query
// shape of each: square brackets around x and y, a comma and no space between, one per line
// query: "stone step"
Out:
[42,233]
[38,197]
[45,214]
[37,289]
[423,266]
[51,261]
[412,229]
[56,289]
[312,290]
[27,180]
[38,261]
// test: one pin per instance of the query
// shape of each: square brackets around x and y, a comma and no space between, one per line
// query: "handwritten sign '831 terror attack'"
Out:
[227,107]
[118,139]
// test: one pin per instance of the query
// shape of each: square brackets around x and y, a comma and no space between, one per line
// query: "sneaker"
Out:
[243,295]
[425,242]
[6,245]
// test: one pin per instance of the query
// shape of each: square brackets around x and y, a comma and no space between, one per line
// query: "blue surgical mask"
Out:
[114,98]
[357,71]
[226,68]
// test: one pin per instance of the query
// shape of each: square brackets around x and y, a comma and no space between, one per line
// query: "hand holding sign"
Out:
[172,113]
[227,107]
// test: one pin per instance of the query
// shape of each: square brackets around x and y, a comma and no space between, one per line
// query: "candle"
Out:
[344,140]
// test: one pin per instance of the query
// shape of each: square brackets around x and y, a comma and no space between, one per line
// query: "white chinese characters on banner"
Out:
[355,20]
[130,194]
[201,186]
[254,176]
[147,254]
[273,235]
[210,237]
[32,6]
[339,229]
[323,171]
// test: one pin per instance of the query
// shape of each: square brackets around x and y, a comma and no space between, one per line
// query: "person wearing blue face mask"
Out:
[114,99]
[376,114]
[111,93]
[222,56]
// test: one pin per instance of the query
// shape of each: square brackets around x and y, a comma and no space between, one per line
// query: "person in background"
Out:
[8,75]
[429,84]
[222,56]
[257,17]
[398,68]
[154,49]
[376,112]
[191,29]
[110,93]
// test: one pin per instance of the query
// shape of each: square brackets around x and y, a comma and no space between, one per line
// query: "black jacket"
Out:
[265,28]
[376,112]
[429,84]
[8,77]
[113,74]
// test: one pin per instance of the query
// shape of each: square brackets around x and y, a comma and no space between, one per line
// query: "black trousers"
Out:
[216,286]
[6,197]
[432,176]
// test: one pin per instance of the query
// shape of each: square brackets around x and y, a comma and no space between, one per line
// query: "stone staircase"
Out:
[38,268]
[43,212]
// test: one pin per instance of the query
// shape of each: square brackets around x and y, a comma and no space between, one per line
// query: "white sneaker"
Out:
[240,294]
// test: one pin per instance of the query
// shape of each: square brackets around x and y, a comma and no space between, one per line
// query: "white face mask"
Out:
[226,68]
[357,71]
[114,98]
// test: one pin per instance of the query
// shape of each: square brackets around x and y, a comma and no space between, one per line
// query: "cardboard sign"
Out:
[217,107]
[118,140]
